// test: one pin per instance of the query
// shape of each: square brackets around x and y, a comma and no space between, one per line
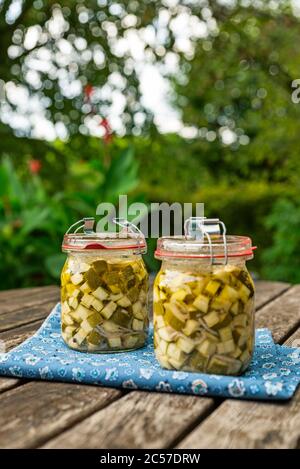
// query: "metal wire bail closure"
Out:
[199,228]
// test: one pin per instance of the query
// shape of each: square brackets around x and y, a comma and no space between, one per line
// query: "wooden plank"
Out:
[155,420]
[238,424]
[12,300]
[8,383]
[138,420]
[281,316]
[35,412]
[10,320]
[14,337]
[266,291]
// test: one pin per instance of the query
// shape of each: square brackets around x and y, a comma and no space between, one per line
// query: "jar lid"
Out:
[129,238]
[205,239]
[182,247]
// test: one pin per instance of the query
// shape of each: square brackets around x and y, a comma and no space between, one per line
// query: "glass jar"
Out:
[204,305]
[104,290]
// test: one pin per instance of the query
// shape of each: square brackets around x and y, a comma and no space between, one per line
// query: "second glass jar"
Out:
[203,313]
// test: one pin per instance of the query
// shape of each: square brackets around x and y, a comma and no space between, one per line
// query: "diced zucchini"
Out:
[201,303]
[100,266]
[245,357]
[137,310]
[240,320]
[225,333]
[235,308]
[174,317]
[69,330]
[159,322]
[76,279]
[177,364]
[94,338]
[163,360]
[67,319]
[85,288]
[124,302]
[73,302]
[197,361]
[244,293]
[115,296]
[228,294]
[108,309]
[212,287]
[100,294]
[70,288]
[185,344]
[217,365]
[114,342]
[167,333]
[226,347]
[110,326]
[211,318]
[85,325]
[93,279]
[190,327]
[179,295]
[163,346]
[87,300]
[130,341]
[94,319]
[206,348]
[83,312]
[121,317]
[97,304]
[80,336]
[65,308]
[137,325]
[158,308]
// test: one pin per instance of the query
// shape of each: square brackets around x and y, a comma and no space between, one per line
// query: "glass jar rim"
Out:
[109,241]
[182,247]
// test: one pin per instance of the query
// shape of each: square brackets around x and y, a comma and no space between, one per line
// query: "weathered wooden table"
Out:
[60,415]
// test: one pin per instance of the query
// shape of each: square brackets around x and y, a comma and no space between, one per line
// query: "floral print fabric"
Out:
[274,372]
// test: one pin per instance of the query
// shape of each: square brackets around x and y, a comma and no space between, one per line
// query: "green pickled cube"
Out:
[93,279]
[94,338]
[218,366]
[94,319]
[174,317]
[197,361]
[121,317]
[100,266]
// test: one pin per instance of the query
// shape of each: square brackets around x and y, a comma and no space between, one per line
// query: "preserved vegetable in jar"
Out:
[104,289]
[204,302]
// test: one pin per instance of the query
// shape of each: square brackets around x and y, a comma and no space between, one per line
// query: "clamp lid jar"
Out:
[204,300]
[104,287]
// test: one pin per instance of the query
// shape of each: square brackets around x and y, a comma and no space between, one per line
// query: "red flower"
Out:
[107,137]
[34,166]
[88,91]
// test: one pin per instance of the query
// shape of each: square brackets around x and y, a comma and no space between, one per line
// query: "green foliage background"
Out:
[239,78]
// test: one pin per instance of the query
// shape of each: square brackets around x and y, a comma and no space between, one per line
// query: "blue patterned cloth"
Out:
[274,372]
